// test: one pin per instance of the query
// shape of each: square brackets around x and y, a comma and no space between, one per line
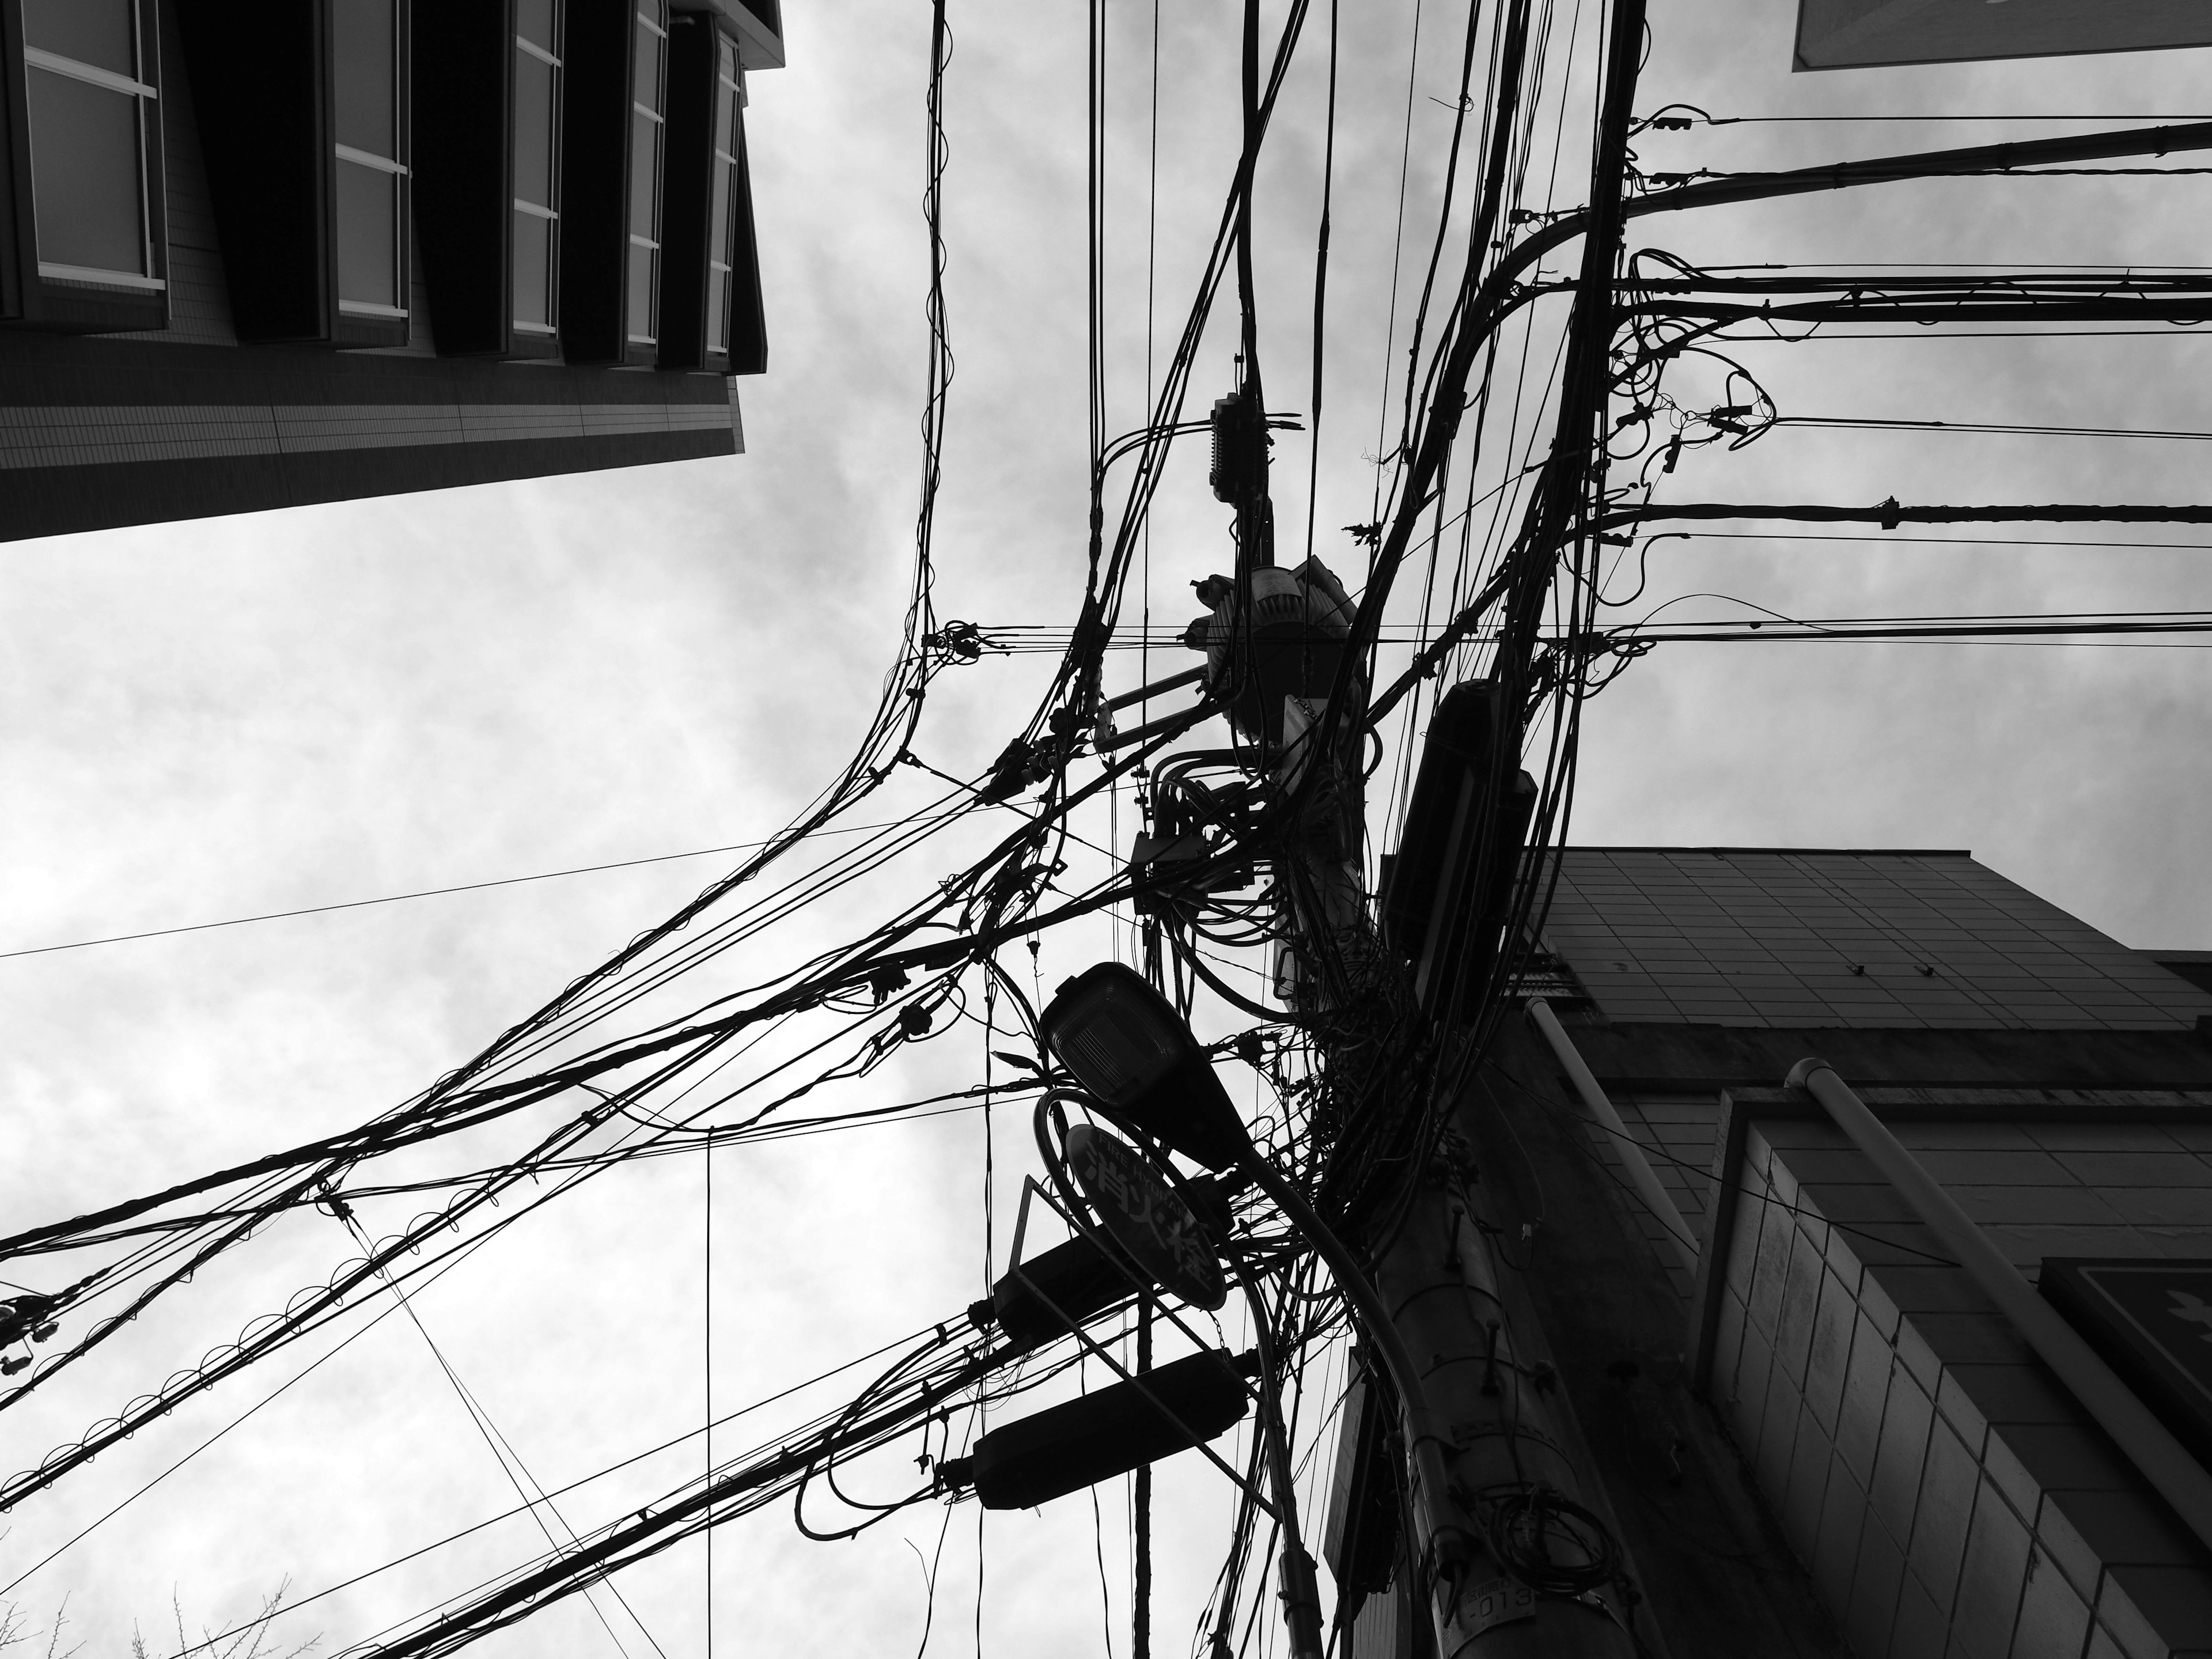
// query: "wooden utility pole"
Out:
[1515,1455]
[1543,1572]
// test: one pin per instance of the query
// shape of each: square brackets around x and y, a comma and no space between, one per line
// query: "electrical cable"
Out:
[1522,603]
[426,892]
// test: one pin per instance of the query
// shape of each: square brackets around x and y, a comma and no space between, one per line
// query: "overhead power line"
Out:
[425,892]
[2020,429]
[1891,513]
[1359,1069]
[1666,118]
[1957,541]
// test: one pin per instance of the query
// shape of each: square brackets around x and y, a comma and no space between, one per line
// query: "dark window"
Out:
[2195,966]
[722,215]
[616,168]
[537,164]
[371,158]
[648,92]
[2147,1317]
[94,129]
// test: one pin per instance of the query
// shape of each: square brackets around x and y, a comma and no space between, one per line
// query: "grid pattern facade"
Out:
[1947,1496]
[1779,938]
[199,304]
[199,301]
[1676,1135]
[94,434]
[131,424]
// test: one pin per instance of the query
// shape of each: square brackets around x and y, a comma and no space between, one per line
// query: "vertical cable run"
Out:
[707,1251]
[1397,252]
[1247,302]
[1320,286]
[1140,1607]
[1095,229]
[1152,266]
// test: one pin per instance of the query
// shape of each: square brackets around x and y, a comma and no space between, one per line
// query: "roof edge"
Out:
[1842,852]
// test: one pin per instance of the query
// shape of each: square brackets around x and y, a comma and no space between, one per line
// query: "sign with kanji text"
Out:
[1146,1216]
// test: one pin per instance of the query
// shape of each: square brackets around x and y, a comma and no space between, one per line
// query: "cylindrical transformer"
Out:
[1053,1293]
[1079,1442]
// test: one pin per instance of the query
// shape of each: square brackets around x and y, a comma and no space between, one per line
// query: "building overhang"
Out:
[758,27]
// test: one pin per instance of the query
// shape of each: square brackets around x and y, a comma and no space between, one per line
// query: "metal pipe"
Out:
[1641,1175]
[2173,1472]
[1176,722]
[1301,1592]
[1156,689]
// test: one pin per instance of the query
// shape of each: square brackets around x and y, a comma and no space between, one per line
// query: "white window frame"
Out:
[38,57]
[402,241]
[730,77]
[640,19]
[538,210]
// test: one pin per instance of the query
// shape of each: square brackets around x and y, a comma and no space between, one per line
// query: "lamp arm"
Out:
[1301,1596]
[1452,1545]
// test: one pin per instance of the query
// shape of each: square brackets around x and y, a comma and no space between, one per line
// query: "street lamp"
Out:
[1132,1054]
[1130,1050]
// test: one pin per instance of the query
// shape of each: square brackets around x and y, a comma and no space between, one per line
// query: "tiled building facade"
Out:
[1877,940]
[1828,1439]
[258,254]
[1947,1493]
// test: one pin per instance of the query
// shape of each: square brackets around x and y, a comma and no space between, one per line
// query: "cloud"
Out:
[234,716]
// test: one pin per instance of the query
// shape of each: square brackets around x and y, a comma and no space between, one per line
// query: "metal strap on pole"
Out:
[1641,1175]
[2160,1459]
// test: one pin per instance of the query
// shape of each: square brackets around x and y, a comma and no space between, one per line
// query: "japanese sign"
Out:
[1146,1216]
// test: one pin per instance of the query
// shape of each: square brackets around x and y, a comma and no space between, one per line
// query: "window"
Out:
[95,133]
[702,185]
[648,92]
[722,218]
[370,128]
[618,166]
[537,164]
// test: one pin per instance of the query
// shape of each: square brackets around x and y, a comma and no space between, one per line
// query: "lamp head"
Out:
[1130,1050]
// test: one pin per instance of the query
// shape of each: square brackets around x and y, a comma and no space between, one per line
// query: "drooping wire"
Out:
[1321,290]
[1397,252]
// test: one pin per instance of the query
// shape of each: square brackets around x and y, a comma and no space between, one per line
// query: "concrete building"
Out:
[259,252]
[1823,1436]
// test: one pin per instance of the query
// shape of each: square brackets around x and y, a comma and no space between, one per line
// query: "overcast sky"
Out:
[237,716]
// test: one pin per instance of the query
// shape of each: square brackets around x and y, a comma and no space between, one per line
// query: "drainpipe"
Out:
[1641,1175]
[2160,1459]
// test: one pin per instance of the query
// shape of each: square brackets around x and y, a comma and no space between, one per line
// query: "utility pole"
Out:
[1545,1553]
[1543,1572]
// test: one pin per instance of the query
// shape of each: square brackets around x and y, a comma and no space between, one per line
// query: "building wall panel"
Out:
[1939,1445]
[1776,937]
